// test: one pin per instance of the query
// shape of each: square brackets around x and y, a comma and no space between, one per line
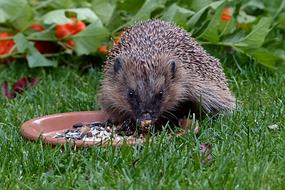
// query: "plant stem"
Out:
[15,55]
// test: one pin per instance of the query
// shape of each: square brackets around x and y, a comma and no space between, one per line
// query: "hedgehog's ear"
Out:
[118,63]
[172,64]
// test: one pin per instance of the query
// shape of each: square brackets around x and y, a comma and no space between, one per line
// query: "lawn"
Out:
[246,153]
[51,40]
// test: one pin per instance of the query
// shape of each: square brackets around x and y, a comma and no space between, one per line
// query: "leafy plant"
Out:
[252,28]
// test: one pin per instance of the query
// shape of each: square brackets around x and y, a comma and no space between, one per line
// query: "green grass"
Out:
[246,154]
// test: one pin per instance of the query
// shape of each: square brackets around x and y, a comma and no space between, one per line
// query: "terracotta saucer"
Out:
[45,128]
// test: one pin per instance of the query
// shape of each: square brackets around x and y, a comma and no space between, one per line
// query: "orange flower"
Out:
[64,30]
[103,49]
[6,46]
[227,14]
[69,29]
[37,27]
[70,43]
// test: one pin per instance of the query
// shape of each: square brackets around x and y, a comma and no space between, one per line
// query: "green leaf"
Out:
[91,38]
[280,9]
[148,7]
[280,53]
[245,18]
[281,21]
[117,22]
[130,6]
[3,16]
[198,4]
[104,9]
[125,10]
[177,14]
[253,5]
[59,16]
[16,12]
[266,57]
[35,59]
[196,17]
[234,38]
[257,36]
[211,33]
[274,8]
[46,35]
[21,43]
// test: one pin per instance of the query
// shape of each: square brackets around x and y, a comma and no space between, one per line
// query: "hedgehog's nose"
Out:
[146,120]
[146,116]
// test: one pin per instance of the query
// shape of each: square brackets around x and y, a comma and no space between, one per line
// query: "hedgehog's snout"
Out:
[146,119]
[146,116]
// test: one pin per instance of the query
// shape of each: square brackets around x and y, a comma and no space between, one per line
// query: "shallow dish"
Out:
[46,127]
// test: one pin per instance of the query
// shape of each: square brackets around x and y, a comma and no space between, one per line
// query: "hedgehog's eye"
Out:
[131,93]
[160,94]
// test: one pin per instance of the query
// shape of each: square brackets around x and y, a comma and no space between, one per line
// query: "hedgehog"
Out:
[158,72]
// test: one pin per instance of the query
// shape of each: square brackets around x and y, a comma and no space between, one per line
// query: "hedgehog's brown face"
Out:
[149,90]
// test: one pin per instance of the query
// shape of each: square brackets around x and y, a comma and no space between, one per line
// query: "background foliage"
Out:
[253,28]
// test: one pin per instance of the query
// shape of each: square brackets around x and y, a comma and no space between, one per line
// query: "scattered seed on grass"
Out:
[206,151]
[197,128]
[274,127]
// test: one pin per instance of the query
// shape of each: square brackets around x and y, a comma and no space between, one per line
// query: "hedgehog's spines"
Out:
[148,46]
